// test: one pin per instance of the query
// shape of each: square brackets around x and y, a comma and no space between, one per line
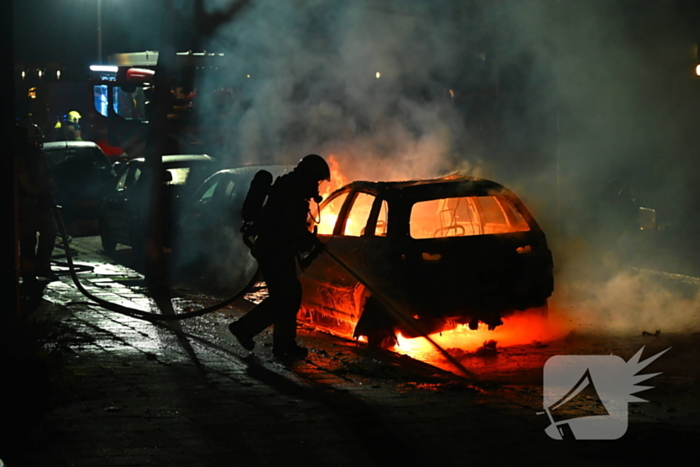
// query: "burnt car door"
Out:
[358,238]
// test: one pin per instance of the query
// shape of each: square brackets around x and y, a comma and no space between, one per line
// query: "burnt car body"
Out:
[82,174]
[123,216]
[209,241]
[447,251]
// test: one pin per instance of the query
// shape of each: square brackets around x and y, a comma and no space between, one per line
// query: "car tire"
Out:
[382,339]
[376,324]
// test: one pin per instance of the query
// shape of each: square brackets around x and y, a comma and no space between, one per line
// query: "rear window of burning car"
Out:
[465,216]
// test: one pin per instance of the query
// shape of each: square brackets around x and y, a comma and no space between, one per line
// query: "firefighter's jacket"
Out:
[283,223]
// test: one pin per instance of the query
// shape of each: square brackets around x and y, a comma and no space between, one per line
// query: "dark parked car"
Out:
[82,174]
[125,207]
[210,244]
[446,251]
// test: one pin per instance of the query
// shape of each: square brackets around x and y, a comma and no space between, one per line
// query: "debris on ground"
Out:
[645,333]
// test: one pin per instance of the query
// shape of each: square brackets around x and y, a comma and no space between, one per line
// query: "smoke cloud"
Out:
[594,120]
[368,82]
[574,105]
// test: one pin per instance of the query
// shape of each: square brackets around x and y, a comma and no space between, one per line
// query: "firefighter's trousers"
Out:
[35,255]
[280,308]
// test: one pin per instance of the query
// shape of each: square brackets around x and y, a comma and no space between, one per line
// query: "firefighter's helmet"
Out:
[316,166]
[74,116]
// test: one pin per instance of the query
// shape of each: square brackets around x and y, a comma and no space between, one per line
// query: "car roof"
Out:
[247,169]
[433,187]
[55,145]
[176,158]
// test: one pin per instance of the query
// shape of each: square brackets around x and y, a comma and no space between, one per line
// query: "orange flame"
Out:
[330,214]
[337,178]
[519,329]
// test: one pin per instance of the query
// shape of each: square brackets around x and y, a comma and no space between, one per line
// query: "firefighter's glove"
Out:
[318,245]
[306,261]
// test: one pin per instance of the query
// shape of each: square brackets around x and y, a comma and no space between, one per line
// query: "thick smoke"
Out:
[368,82]
[569,103]
[600,100]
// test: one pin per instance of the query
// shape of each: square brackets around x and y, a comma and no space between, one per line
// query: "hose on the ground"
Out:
[192,314]
[139,313]
[66,264]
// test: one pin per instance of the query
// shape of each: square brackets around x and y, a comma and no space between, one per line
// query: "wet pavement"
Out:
[99,388]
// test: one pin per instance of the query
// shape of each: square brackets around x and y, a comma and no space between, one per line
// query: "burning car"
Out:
[441,252]
[124,210]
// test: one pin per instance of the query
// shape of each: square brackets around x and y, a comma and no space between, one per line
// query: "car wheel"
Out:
[381,339]
[377,325]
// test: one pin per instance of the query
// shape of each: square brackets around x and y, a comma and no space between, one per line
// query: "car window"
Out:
[382,219]
[465,216]
[122,179]
[130,105]
[179,175]
[358,215]
[209,186]
[133,176]
[77,159]
[328,216]
[229,188]
[209,192]
[222,195]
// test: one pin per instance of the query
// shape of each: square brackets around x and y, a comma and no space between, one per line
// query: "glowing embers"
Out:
[462,342]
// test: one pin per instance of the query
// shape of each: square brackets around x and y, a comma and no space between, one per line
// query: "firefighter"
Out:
[281,234]
[35,193]
[69,129]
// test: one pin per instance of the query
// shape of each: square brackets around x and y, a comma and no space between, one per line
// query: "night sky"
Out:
[65,31]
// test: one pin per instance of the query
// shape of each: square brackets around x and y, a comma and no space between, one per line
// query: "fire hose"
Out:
[192,314]
[134,312]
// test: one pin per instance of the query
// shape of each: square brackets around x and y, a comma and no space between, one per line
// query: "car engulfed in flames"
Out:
[443,253]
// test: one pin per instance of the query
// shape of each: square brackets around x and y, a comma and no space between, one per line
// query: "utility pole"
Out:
[156,272]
